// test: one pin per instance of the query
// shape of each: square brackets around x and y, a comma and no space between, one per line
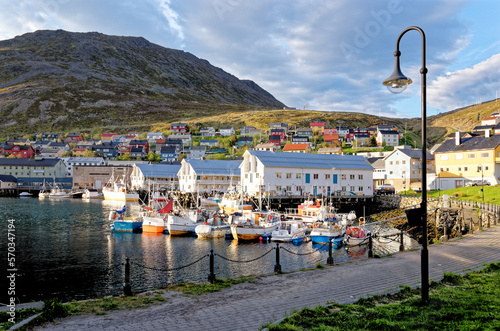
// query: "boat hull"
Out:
[120,196]
[206,231]
[128,225]
[153,225]
[247,233]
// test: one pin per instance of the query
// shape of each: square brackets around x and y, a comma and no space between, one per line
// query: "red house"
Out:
[22,151]
[275,139]
[332,139]
[75,136]
[108,136]
[140,143]
[178,127]
[278,132]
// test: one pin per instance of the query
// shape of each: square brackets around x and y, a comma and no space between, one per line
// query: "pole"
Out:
[401,244]
[127,290]
[277,266]
[211,275]
[370,245]
[329,260]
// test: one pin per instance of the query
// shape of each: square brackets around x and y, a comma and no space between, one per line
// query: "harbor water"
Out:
[66,249]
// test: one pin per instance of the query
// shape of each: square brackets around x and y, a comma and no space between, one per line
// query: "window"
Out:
[352,176]
[289,175]
[471,155]
[278,175]
[278,188]
[327,176]
[466,168]
[360,188]
[390,162]
[344,177]
[459,168]
[403,162]
[444,157]
[298,176]
[485,154]
[288,188]
[459,156]
[344,188]
[315,176]
[397,162]
[360,177]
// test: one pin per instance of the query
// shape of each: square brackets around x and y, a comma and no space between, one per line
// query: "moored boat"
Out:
[327,230]
[183,223]
[121,223]
[357,235]
[91,194]
[214,227]
[254,225]
[57,193]
[289,231]
[117,191]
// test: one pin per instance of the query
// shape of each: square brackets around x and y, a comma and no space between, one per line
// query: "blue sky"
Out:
[315,54]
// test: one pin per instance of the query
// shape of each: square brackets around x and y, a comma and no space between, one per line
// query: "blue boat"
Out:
[328,229]
[121,223]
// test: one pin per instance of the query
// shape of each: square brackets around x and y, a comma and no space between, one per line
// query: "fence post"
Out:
[445,232]
[277,266]
[329,260]
[480,222]
[127,290]
[401,245]
[370,246]
[488,225]
[471,226]
[211,275]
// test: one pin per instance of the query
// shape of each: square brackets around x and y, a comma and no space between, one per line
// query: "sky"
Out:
[329,55]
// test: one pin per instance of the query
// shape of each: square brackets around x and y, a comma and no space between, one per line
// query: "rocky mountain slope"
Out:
[62,81]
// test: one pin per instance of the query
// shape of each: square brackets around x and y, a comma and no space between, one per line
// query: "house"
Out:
[483,128]
[361,139]
[19,142]
[332,139]
[89,144]
[403,168]
[278,125]
[342,131]
[492,120]
[245,141]
[197,152]
[168,154]
[304,132]
[178,127]
[318,128]
[72,162]
[330,131]
[137,152]
[60,145]
[275,139]
[266,147]
[185,138]
[107,136]
[152,137]
[207,131]
[227,131]
[297,148]
[76,136]
[70,140]
[96,176]
[21,151]
[141,144]
[391,137]
[79,151]
[159,176]
[107,149]
[279,132]
[32,173]
[331,150]
[41,144]
[51,152]
[207,176]
[49,136]
[120,139]
[300,139]
[177,143]
[469,159]
[250,131]
[209,142]
[279,173]
[8,182]
[123,149]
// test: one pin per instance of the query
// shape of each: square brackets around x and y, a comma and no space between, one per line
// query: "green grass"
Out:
[469,302]
[472,193]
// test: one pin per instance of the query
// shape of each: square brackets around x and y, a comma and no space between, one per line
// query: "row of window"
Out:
[315,176]
[483,155]
[466,169]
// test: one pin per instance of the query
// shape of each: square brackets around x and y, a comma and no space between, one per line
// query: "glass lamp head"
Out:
[397,82]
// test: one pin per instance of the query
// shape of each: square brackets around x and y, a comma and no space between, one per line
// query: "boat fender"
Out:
[315,225]
[270,218]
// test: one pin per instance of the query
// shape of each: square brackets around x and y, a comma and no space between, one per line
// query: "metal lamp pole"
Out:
[482,180]
[397,83]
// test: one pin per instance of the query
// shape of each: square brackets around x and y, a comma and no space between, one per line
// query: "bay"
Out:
[66,249]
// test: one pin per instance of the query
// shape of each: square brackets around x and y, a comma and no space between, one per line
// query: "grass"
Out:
[472,193]
[469,302]
[219,284]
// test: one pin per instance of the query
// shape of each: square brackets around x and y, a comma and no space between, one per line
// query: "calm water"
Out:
[65,249]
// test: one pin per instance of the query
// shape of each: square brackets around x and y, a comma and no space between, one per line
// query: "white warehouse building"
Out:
[207,176]
[280,173]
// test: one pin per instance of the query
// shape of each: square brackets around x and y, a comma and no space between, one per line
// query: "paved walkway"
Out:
[250,306]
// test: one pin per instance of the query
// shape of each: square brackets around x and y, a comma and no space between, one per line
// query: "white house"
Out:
[208,175]
[282,173]
[207,131]
[157,176]
[227,131]
[391,137]
[153,136]
[197,152]
[71,162]
[185,138]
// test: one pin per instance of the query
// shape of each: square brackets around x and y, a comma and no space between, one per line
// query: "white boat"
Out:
[154,219]
[117,191]
[255,225]
[44,194]
[329,229]
[230,204]
[214,227]
[288,231]
[91,194]
[57,193]
[309,211]
[182,223]
[25,195]
[357,235]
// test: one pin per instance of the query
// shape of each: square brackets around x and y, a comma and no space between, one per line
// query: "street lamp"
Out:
[397,83]
[480,168]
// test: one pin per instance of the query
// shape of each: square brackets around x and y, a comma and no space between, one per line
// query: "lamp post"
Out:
[397,83]
[480,168]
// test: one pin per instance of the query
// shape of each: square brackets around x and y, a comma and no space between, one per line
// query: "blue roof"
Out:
[215,167]
[159,170]
[42,162]
[311,160]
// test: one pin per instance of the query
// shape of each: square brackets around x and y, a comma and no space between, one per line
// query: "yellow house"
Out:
[461,160]
[319,128]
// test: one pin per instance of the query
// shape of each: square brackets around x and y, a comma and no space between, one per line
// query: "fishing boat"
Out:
[309,211]
[25,195]
[117,191]
[357,235]
[154,221]
[58,193]
[214,227]
[91,194]
[254,225]
[121,223]
[289,231]
[44,194]
[331,228]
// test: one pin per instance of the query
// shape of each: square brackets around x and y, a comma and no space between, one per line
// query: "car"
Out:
[477,183]
[385,189]
[343,193]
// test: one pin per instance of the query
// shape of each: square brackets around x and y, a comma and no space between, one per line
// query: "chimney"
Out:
[487,134]
[457,138]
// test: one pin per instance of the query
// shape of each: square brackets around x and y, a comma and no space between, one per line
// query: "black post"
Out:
[401,245]
[329,260]
[488,225]
[370,246]
[471,226]
[277,266]
[480,222]
[445,232]
[211,275]
[127,290]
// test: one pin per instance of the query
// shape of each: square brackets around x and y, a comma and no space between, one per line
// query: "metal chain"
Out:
[171,269]
[309,253]
[227,259]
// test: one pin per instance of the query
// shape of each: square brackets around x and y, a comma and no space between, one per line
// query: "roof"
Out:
[275,137]
[215,167]
[394,132]
[39,162]
[295,147]
[330,150]
[159,170]
[8,178]
[178,124]
[85,159]
[167,150]
[317,124]
[311,160]
[469,144]
[412,153]
[483,127]
[245,139]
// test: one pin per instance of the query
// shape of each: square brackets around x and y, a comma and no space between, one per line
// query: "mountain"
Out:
[62,81]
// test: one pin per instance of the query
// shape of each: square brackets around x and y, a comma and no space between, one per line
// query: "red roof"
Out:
[295,147]
[317,124]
